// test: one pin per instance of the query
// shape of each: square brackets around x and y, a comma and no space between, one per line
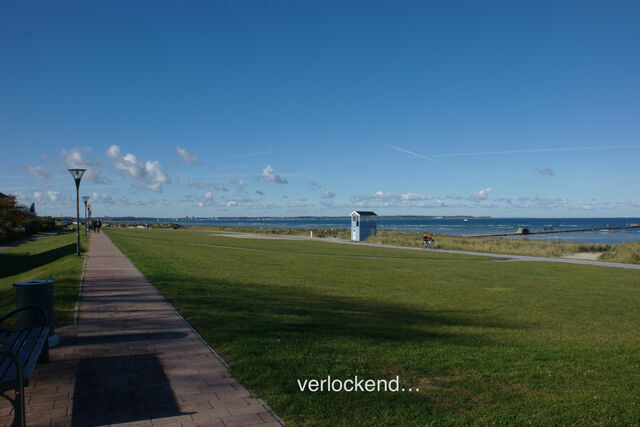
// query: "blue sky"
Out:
[285,108]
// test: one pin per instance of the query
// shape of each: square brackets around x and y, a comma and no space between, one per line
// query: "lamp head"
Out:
[85,199]
[77,175]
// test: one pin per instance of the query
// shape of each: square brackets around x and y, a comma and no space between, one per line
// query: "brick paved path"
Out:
[132,360]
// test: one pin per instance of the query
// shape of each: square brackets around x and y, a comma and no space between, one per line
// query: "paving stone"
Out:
[244,410]
[242,420]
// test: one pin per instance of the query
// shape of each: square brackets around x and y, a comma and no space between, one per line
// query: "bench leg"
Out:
[18,407]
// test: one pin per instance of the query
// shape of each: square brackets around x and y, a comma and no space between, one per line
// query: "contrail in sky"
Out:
[528,150]
[412,153]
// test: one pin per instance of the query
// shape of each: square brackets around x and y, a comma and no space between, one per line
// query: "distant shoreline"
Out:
[293,218]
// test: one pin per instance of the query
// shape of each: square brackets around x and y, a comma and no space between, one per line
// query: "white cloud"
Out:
[326,194]
[231,203]
[221,187]
[262,206]
[101,198]
[239,186]
[197,184]
[128,162]
[260,192]
[37,196]
[75,158]
[269,175]
[53,196]
[38,171]
[405,200]
[157,176]
[186,156]
[482,194]
[413,196]
[149,173]
[206,199]
[537,202]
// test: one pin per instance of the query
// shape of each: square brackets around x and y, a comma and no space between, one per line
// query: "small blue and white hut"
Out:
[363,225]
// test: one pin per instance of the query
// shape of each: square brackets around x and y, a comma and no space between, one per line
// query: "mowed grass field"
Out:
[484,340]
[52,258]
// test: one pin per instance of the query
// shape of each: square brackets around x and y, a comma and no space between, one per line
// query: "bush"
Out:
[16,221]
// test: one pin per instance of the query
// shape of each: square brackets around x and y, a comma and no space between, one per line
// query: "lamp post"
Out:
[77,176]
[85,199]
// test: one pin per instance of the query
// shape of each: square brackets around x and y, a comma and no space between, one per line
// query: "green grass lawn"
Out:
[484,340]
[48,258]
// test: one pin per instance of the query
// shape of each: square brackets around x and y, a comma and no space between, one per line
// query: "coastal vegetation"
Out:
[477,339]
[52,258]
[135,224]
[625,252]
[498,245]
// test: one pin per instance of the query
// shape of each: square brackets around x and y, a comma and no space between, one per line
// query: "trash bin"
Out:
[37,292]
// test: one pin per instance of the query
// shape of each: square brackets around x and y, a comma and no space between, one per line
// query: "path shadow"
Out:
[12,264]
[128,338]
[121,389]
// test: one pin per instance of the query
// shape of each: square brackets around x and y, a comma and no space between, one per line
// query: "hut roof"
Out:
[363,213]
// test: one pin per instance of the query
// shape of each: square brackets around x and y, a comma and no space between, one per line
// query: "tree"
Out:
[13,218]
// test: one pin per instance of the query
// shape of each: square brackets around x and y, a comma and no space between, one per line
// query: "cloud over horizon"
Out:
[149,174]
[186,156]
[38,171]
[269,175]
[75,158]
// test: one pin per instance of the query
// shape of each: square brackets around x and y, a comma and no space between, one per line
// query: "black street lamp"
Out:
[77,176]
[85,199]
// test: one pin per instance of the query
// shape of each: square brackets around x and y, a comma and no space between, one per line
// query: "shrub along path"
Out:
[133,359]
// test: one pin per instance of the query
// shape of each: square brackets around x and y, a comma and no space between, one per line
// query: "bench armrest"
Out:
[45,318]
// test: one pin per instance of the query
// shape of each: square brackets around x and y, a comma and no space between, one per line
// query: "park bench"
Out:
[20,349]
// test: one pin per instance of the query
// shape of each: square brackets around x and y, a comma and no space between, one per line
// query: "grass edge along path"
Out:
[51,258]
[483,341]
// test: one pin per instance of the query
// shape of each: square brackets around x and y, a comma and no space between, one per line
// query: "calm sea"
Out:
[458,227]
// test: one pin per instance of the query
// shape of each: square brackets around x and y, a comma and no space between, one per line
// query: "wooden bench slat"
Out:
[21,349]
[27,349]
[12,345]
[11,340]
[36,349]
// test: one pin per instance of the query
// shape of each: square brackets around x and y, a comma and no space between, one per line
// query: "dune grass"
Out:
[625,252]
[51,258]
[485,341]
[497,245]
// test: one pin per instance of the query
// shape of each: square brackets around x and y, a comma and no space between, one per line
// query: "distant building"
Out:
[363,225]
